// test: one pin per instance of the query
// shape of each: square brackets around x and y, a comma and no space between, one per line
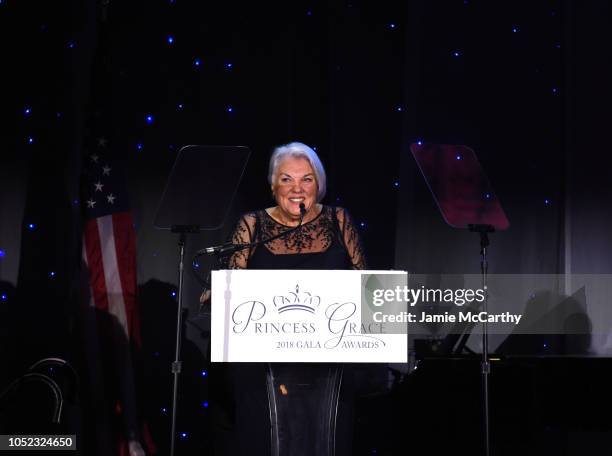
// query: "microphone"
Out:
[229,247]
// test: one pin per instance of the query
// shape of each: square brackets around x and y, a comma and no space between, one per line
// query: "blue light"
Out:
[396,184]
[184,435]
[196,265]
[2,253]
[173,294]
[71,44]
[362,225]
[554,90]
[204,373]
[205,404]
[308,13]
[52,274]
[545,345]
[180,105]
[27,111]
[399,109]
[558,46]
[149,119]
[164,410]
[3,297]
[458,157]
[139,146]
[31,226]
[515,29]
[170,39]
[30,140]
[229,66]
[419,142]
[488,196]
[58,114]
[547,201]
[456,54]
[230,109]
[197,62]
[392,26]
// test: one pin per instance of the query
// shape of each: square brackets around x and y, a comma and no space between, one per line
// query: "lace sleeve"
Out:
[243,233]
[351,239]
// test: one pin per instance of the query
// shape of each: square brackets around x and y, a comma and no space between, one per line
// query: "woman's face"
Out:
[294,183]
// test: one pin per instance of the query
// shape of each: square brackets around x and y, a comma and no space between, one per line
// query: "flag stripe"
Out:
[116,304]
[125,250]
[93,252]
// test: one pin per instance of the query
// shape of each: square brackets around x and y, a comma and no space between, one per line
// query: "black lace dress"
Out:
[329,241]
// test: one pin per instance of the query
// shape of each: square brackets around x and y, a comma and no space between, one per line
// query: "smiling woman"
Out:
[295,401]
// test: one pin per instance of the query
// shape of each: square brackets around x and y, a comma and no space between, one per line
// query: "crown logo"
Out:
[297,300]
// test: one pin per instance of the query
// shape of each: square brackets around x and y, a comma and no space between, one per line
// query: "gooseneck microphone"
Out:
[228,248]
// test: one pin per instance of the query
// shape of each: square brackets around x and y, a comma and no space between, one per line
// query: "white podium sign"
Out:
[297,316]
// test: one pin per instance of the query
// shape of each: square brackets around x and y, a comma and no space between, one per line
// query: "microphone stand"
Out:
[229,248]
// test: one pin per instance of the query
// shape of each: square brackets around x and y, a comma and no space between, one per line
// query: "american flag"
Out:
[111,325]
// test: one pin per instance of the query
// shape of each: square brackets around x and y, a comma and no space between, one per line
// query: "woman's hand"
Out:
[205,296]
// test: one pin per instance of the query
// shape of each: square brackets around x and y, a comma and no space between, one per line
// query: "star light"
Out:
[94,158]
[106,170]
[102,141]
[98,186]
[111,198]
[91,203]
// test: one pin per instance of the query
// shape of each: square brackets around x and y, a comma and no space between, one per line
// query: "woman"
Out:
[327,239]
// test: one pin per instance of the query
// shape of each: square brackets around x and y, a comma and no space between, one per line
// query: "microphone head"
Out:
[302,209]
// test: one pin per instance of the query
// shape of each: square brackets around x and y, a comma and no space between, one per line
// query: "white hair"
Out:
[299,150]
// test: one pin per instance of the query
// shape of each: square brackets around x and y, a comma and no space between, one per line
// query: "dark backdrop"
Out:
[526,84]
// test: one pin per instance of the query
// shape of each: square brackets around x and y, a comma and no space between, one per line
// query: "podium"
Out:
[303,327]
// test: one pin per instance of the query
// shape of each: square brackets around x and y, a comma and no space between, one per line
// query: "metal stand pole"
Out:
[176,365]
[485,364]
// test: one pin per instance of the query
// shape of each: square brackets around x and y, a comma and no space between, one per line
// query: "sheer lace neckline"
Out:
[267,214]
